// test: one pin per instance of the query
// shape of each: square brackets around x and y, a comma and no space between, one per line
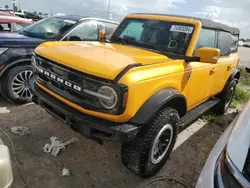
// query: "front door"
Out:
[202,80]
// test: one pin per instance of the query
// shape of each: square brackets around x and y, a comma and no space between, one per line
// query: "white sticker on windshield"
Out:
[181,29]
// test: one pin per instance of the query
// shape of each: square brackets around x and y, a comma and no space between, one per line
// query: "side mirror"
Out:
[208,55]
[6,177]
[102,35]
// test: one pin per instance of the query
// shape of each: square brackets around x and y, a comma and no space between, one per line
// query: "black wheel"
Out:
[148,152]
[226,98]
[15,84]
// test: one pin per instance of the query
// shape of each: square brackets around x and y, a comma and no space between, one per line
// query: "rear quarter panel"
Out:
[225,67]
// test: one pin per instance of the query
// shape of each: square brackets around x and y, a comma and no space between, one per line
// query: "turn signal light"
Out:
[125,99]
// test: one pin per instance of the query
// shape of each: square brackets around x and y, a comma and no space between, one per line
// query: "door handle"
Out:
[212,71]
[229,67]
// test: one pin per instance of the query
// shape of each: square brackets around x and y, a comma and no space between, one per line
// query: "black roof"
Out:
[71,17]
[206,23]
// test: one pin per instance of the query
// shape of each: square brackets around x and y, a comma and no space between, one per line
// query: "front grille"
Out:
[68,83]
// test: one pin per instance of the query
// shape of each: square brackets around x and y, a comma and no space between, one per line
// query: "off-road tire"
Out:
[135,155]
[222,107]
[7,88]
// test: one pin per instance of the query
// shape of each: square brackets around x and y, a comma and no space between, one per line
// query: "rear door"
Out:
[228,45]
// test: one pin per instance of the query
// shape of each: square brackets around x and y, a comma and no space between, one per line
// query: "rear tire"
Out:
[226,98]
[148,152]
[15,84]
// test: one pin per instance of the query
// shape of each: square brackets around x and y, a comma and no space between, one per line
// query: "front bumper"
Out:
[89,126]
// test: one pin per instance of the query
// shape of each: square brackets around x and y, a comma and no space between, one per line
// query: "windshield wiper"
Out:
[30,34]
[163,50]
[119,39]
[156,47]
[159,48]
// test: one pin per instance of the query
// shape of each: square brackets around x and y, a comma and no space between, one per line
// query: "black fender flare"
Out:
[14,63]
[235,75]
[158,100]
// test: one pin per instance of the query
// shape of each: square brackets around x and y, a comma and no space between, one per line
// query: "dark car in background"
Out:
[246,44]
[33,16]
[228,165]
[16,49]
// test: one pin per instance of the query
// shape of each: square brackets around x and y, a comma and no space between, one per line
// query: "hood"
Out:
[9,40]
[105,60]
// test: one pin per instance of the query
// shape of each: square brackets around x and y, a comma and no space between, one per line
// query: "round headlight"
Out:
[111,97]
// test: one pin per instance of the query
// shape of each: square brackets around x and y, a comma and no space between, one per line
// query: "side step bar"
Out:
[196,112]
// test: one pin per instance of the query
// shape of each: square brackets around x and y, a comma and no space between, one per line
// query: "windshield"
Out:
[154,34]
[49,28]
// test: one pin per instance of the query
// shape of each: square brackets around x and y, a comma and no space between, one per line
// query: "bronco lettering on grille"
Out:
[59,80]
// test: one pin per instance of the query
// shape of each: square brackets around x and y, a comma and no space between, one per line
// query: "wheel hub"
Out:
[161,144]
[230,97]
[19,85]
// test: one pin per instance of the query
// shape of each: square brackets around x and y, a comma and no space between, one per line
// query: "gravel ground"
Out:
[94,165]
[91,164]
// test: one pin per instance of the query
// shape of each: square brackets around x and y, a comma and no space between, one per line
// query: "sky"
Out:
[231,12]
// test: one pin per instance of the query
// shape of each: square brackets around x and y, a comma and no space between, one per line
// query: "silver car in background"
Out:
[6,175]
[228,164]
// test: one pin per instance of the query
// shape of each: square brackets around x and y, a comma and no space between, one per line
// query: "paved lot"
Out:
[91,164]
[244,54]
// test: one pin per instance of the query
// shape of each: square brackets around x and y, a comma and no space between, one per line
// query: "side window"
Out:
[5,27]
[108,27]
[234,44]
[134,29]
[87,31]
[224,43]
[207,38]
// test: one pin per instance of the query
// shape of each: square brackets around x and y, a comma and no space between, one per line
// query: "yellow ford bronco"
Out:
[156,74]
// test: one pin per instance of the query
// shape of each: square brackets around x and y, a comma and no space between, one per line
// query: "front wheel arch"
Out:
[11,74]
[164,98]
[8,67]
[235,75]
